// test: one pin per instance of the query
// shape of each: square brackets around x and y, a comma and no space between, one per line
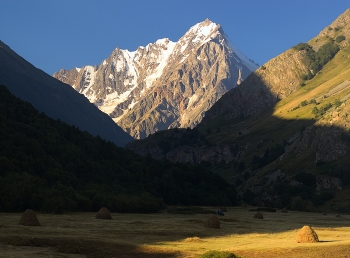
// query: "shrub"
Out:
[302,46]
[313,101]
[317,59]
[218,254]
[337,103]
[315,110]
[304,103]
[339,38]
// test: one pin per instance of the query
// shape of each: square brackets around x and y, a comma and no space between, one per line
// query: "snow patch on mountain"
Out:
[168,47]
[89,76]
[125,78]
[246,61]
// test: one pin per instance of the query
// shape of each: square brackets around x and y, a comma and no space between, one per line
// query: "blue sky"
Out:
[55,34]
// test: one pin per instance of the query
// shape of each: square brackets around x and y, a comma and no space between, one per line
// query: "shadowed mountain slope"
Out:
[50,166]
[288,117]
[58,100]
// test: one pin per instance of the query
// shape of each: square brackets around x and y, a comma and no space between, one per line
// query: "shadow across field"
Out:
[173,235]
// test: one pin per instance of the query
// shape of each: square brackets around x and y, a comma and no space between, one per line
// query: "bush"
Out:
[337,103]
[218,254]
[339,38]
[302,46]
[317,59]
[304,103]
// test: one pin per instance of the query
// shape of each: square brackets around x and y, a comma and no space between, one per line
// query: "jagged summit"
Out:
[203,29]
[164,84]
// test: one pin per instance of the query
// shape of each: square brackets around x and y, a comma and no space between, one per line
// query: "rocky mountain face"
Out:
[278,134]
[274,81]
[58,100]
[261,90]
[165,84]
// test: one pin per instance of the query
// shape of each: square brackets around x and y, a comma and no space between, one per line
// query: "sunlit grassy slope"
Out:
[288,117]
[174,235]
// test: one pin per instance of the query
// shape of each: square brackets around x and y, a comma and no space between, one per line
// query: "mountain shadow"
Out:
[50,166]
[281,136]
[54,98]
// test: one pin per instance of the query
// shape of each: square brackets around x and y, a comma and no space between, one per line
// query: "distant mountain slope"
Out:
[56,99]
[165,84]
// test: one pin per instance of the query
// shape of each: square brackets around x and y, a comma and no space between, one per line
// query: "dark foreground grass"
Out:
[90,248]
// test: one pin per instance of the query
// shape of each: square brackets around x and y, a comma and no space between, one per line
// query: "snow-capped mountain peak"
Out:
[202,30]
[163,84]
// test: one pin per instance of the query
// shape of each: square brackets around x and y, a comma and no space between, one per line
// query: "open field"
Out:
[78,235]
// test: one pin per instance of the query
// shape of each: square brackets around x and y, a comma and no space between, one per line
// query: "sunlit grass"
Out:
[174,235]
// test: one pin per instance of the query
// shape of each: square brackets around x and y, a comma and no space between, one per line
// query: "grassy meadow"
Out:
[177,234]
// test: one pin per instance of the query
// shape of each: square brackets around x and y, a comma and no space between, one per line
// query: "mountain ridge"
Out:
[282,136]
[58,100]
[178,74]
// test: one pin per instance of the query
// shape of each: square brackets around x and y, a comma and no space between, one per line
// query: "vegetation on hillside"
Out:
[318,59]
[50,166]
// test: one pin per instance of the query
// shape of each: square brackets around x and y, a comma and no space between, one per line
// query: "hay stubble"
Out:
[180,235]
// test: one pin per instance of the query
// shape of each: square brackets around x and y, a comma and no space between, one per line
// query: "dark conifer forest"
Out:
[50,166]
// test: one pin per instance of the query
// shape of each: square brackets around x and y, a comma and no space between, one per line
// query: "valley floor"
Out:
[76,235]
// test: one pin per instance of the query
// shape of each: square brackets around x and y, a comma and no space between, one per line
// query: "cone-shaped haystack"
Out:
[307,235]
[212,222]
[258,215]
[29,218]
[284,210]
[104,213]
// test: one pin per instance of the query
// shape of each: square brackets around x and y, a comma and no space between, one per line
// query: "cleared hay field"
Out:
[174,235]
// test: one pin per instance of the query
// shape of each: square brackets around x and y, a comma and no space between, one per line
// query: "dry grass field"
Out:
[165,234]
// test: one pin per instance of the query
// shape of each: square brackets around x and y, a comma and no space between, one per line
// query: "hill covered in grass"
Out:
[50,166]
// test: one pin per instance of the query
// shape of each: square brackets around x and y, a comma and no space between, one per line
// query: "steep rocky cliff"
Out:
[165,84]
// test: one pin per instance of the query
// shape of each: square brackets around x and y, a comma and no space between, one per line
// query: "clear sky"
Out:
[55,34]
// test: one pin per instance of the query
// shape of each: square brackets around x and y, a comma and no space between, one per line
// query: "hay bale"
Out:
[212,222]
[284,210]
[103,213]
[193,239]
[223,209]
[29,218]
[258,215]
[306,235]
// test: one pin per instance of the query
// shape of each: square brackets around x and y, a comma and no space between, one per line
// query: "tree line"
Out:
[50,166]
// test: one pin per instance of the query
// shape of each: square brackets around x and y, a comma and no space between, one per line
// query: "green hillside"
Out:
[50,166]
